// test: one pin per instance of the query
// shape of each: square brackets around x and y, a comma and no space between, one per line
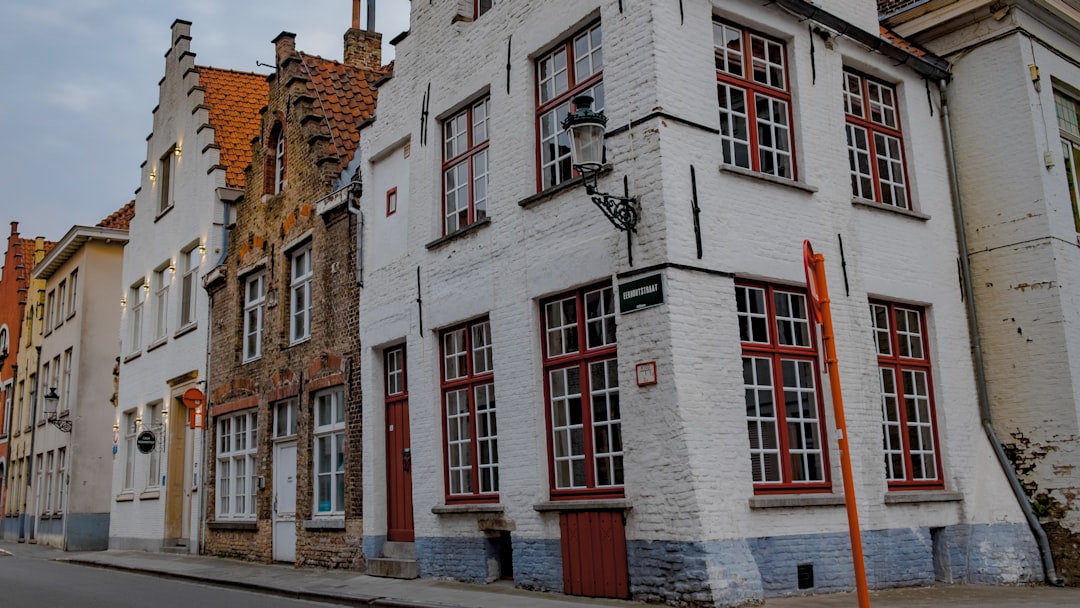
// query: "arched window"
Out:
[275,176]
[5,347]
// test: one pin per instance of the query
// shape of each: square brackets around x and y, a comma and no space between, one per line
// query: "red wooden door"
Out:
[594,554]
[399,502]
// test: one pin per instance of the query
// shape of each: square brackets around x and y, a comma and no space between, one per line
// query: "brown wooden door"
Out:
[594,554]
[399,501]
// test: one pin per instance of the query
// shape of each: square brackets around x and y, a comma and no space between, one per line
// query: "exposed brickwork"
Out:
[318,103]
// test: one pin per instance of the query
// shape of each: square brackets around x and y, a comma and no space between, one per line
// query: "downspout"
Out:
[976,342]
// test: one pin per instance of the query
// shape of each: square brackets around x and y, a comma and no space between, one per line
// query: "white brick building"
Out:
[488,277]
[1016,109]
[194,167]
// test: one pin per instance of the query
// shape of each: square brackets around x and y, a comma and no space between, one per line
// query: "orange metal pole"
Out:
[819,295]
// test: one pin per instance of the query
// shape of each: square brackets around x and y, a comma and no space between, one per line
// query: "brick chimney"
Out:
[363,49]
[284,46]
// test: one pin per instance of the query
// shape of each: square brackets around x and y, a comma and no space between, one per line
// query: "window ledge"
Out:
[251,360]
[187,329]
[71,315]
[584,505]
[125,497]
[907,497]
[243,526]
[551,192]
[163,213]
[293,343]
[158,344]
[781,181]
[325,524]
[796,500]
[150,495]
[866,203]
[133,356]
[465,509]
[460,232]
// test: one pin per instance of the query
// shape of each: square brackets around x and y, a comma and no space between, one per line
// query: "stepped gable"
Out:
[119,219]
[345,96]
[234,99]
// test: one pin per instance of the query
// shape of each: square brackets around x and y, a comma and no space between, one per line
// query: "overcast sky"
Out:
[79,80]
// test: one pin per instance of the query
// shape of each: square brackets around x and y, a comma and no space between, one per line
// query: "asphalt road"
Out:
[28,579]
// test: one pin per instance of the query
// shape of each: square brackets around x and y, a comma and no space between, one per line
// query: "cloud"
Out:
[76,97]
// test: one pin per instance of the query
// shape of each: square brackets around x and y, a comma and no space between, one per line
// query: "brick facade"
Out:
[317,103]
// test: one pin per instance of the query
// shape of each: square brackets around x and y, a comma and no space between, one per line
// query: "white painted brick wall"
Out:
[687,468]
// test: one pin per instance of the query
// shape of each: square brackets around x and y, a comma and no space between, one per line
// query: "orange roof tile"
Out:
[346,95]
[119,219]
[234,99]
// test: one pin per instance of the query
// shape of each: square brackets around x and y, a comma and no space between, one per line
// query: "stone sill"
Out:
[150,495]
[187,329]
[460,232]
[906,497]
[608,504]
[467,508]
[125,497]
[324,524]
[780,181]
[796,500]
[551,192]
[163,213]
[242,526]
[869,204]
[133,356]
[155,345]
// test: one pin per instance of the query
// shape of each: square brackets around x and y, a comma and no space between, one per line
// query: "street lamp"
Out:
[51,401]
[586,131]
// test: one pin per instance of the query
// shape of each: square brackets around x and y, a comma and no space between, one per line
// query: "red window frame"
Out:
[465,146]
[572,337]
[391,201]
[770,84]
[871,108]
[468,370]
[803,353]
[904,354]
[580,71]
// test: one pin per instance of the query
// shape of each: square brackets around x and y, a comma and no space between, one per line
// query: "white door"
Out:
[285,502]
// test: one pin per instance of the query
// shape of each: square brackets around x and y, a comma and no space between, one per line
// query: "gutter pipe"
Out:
[985,416]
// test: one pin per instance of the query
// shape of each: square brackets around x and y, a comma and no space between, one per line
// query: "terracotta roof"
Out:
[234,99]
[119,219]
[897,41]
[346,96]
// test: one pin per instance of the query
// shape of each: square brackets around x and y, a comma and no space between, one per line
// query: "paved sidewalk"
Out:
[350,588]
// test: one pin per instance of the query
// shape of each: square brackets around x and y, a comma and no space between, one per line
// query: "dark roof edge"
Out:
[930,66]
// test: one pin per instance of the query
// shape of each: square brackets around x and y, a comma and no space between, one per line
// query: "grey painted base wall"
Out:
[13,527]
[87,531]
[735,572]
[125,543]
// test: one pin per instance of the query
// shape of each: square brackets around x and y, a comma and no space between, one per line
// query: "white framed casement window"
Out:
[61,302]
[465,166]
[274,172]
[73,287]
[190,259]
[301,274]
[152,414]
[61,478]
[481,6]
[136,298]
[330,452]
[237,445]
[574,67]
[50,311]
[161,303]
[47,505]
[1068,115]
[130,428]
[285,419]
[279,162]
[468,387]
[754,100]
[874,140]
[65,397]
[46,368]
[254,307]
[164,181]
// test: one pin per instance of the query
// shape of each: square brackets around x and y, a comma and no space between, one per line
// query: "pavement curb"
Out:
[314,596]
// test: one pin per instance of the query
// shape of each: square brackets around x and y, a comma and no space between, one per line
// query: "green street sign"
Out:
[642,293]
